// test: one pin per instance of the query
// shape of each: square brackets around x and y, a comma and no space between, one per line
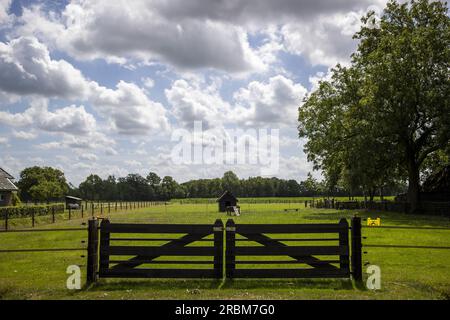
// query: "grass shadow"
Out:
[236,284]
[155,284]
[247,284]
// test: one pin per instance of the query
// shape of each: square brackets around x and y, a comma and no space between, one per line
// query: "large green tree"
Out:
[42,184]
[381,118]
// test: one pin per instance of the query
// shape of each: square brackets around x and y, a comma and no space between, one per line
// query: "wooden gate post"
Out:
[218,248]
[92,255]
[356,249]
[230,251]
[104,245]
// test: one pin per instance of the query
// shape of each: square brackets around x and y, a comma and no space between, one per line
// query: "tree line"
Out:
[44,184]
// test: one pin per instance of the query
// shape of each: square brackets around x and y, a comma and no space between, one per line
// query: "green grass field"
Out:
[405,273]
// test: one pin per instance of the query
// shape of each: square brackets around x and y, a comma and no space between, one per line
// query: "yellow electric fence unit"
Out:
[373,222]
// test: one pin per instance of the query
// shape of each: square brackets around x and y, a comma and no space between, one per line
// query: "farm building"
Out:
[7,188]
[73,202]
[227,200]
[435,189]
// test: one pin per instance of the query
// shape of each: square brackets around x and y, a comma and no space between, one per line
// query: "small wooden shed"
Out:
[73,202]
[227,200]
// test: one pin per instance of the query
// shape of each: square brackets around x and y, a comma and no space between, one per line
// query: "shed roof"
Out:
[226,194]
[5,181]
[73,198]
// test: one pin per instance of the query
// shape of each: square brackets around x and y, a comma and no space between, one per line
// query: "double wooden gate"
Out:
[118,250]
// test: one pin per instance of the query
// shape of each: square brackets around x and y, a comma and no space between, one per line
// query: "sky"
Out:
[101,86]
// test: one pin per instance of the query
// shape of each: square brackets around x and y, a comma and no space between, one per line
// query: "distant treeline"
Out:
[135,187]
[47,184]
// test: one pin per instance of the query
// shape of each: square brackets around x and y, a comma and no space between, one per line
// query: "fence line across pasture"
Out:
[42,250]
[403,246]
[86,209]
[407,227]
[42,230]
[397,246]
[32,250]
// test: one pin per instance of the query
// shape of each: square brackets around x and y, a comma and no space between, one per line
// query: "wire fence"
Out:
[51,214]
[32,250]
[396,246]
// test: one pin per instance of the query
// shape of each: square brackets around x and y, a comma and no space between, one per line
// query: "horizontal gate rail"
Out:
[161,251]
[295,240]
[162,261]
[156,239]
[286,261]
[290,273]
[290,251]
[159,273]
[157,228]
[288,228]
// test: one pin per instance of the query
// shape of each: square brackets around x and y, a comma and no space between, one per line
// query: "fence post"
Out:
[32,217]
[70,213]
[53,214]
[356,249]
[230,251]
[218,248]
[92,209]
[344,262]
[109,207]
[104,246]
[6,219]
[82,215]
[92,256]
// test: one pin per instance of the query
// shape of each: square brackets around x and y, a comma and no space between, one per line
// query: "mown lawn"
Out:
[406,273]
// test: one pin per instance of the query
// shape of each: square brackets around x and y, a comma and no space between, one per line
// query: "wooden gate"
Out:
[333,250]
[120,257]
[309,250]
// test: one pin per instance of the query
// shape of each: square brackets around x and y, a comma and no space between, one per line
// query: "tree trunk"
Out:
[371,194]
[413,186]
